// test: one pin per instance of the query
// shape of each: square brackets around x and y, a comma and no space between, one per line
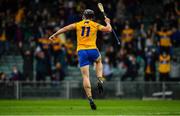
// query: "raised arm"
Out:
[108,27]
[63,30]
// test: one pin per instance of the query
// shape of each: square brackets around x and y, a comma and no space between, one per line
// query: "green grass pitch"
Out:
[81,107]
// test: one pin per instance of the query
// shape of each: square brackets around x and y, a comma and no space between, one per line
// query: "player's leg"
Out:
[84,64]
[99,67]
[87,85]
[86,80]
[99,73]
[95,56]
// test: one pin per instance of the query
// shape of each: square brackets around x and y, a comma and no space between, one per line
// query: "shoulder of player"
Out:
[94,22]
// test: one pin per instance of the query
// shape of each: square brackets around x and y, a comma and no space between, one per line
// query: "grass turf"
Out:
[81,107]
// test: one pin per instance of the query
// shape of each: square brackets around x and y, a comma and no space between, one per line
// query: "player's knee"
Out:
[85,72]
[85,77]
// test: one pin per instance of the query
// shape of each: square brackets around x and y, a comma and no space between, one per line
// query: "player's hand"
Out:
[107,20]
[52,37]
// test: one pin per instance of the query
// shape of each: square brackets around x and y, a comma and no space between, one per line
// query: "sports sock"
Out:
[90,99]
[101,79]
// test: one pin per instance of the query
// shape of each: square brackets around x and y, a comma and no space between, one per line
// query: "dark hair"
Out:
[88,14]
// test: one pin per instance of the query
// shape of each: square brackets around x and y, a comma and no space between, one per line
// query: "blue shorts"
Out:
[87,57]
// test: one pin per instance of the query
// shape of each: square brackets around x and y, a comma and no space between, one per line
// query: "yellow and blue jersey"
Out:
[164,63]
[45,43]
[86,31]
[165,39]
[127,35]
[56,45]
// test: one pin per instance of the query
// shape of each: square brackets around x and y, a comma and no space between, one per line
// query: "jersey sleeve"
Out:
[99,26]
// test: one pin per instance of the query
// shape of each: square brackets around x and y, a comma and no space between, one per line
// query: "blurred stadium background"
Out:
[145,66]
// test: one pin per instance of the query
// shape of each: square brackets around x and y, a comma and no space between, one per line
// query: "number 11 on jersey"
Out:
[84,29]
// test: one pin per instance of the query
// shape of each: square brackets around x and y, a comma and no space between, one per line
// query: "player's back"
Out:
[86,31]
